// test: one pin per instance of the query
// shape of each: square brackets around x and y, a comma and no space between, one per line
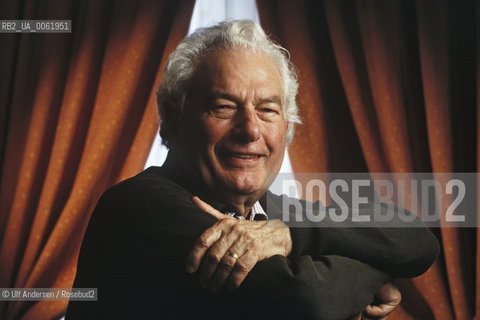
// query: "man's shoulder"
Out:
[148,206]
[152,182]
[152,177]
[148,196]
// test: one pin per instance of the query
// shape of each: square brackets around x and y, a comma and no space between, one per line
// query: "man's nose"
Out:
[247,128]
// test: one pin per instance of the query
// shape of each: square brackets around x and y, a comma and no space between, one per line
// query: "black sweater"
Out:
[142,230]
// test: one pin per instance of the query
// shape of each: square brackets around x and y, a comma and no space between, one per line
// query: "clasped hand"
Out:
[226,252]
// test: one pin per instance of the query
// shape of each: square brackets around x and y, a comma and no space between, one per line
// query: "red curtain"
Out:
[390,86]
[77,114]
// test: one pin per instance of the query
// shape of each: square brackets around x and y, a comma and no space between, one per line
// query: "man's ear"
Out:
[177,133]
[173,140]
[173,131]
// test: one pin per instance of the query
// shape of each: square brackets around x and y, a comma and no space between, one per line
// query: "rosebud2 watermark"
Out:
[365,200]
[37,294]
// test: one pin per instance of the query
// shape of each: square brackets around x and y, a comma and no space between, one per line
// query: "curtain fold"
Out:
[436,50]
[80,117]
[393,90]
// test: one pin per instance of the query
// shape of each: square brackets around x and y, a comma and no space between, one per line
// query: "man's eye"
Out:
[223,110]
[269,113]
[268,110]
[224,107]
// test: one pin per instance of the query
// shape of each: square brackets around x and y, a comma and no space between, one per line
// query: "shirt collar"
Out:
[257,212]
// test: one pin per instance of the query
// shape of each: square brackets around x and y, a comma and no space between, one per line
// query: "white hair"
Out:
[243,34]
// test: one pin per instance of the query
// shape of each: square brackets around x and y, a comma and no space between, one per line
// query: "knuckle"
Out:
[227,265]
[243,234]
[240,226]
[254,247]
[250,236]
[249,260]
[257,243]
[242,267]
[216,251]
[228,222]
[213,258]
[202,241]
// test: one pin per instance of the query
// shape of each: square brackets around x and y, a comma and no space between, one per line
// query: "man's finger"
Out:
[372,312]
[388,298]
[211,260]
[224,268]
[205,207]
[242,268]
[204,242]
[377,312]
[207,269]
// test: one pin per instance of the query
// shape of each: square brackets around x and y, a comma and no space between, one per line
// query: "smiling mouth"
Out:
[241,160]
[244,156]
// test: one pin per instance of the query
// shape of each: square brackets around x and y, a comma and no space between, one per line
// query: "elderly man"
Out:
[159,245]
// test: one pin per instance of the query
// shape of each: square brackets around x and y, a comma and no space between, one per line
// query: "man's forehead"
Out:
[225,72]
[223,56]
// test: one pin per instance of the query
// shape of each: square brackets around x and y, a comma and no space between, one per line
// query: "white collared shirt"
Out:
[256,210]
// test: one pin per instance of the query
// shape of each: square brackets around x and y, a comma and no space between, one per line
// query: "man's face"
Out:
[234,131]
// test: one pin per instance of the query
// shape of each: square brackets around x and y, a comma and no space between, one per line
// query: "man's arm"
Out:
[213,246]
[397,247]
[139,238]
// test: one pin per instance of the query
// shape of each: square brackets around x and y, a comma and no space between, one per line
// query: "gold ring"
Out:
[233,255]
